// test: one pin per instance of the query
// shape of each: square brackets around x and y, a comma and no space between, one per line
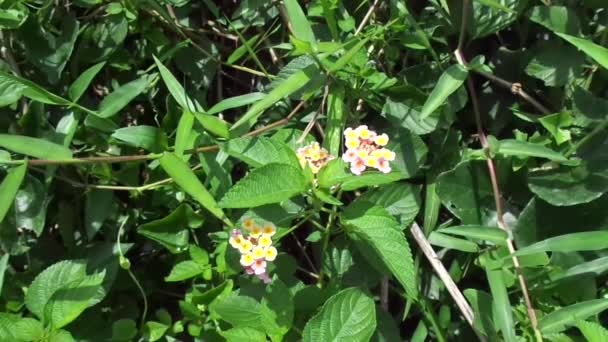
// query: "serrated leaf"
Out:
[560,319]
[401,200]
[272,183]
[240,311]
[34,147]
[376,229]
[187,180]
[243,334]
[185,270]
[277,310]
[349,315]
[592,331]
[451,79]
[14,328]
[122,96]
[9,187]
[260,151]
[83,81]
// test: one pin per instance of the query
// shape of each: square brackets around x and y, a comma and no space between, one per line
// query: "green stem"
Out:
[295,226]
[330,222]
[430,316]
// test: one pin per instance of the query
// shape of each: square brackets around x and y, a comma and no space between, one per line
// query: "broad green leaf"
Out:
[83,81]
[503,315]
[34,147]
[184,129]
[243,334]
[185,270]
[149,138]
[592,331]
[198,255]
[14,328]
[50,281]
[175,88]
[124,330]
[406,113]
[336,119]
[154,331]
[556,65]
[235,102]
[12,18]
[336,172]
[443,240]
[98,207]
[260,151]
[560,319]
[597,52]
[30,206]
[451,79]
[277,310]
[380,234]
[186,179]
[272,183]
[172,230]
[121,97]
[299,23]
[68,302]
[575,242]
[284,89]
[556,18]
[349,315]
[557,125]
[240,311]
[401,200]
[9,187]
[492,234]
[34,91]
[10,90]
[517,148]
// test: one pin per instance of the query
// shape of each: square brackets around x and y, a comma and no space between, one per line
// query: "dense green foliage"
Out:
[255,170]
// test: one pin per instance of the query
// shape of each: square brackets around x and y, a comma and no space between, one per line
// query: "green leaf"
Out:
[14,328]
[260,151]
[482,305]
[3,267]
[438,239]
[9,187]
[12,18]
[184,129]
[554,123]
[451,79]
[556,18]
[336,173]
[240,311]
[284,89]
[121,97]
[171,231]
[185,270]
[512,147]
[83,81]
[243,334]
[348,56]
[277,310]
[380,236]
[34,147]
[50,281]
[214,125]
[124,330]
[336,119]
[593,332]
[34,91]
[406,114]
[10,90]
[244,48]
[560,319]
[235,102]
[68,302]
[597,52]
[175,88]
[502,307]
[149,138]
[492,234]
[575,242]
[348,315]
[401,200]
[154,331]
[556,65]
[98,207]
[184,177]
[272,183]
[299,23]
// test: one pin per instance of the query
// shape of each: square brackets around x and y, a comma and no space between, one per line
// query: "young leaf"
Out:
[187,180]
[380,234]
[272,183]
[83,81]
[348,315]
[299,23]
[560,319]
[284,89]
[451,79]
[596,52]
[34,147]
[119,98]
[574,242]
[260,151]
[9,187]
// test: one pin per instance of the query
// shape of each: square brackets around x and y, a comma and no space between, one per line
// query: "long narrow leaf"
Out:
[9,187]
[575,242]
[34,147]
[448,83]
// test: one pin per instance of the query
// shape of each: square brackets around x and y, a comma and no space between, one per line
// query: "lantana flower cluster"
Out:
[255,247]
[313,155]
[366,148]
